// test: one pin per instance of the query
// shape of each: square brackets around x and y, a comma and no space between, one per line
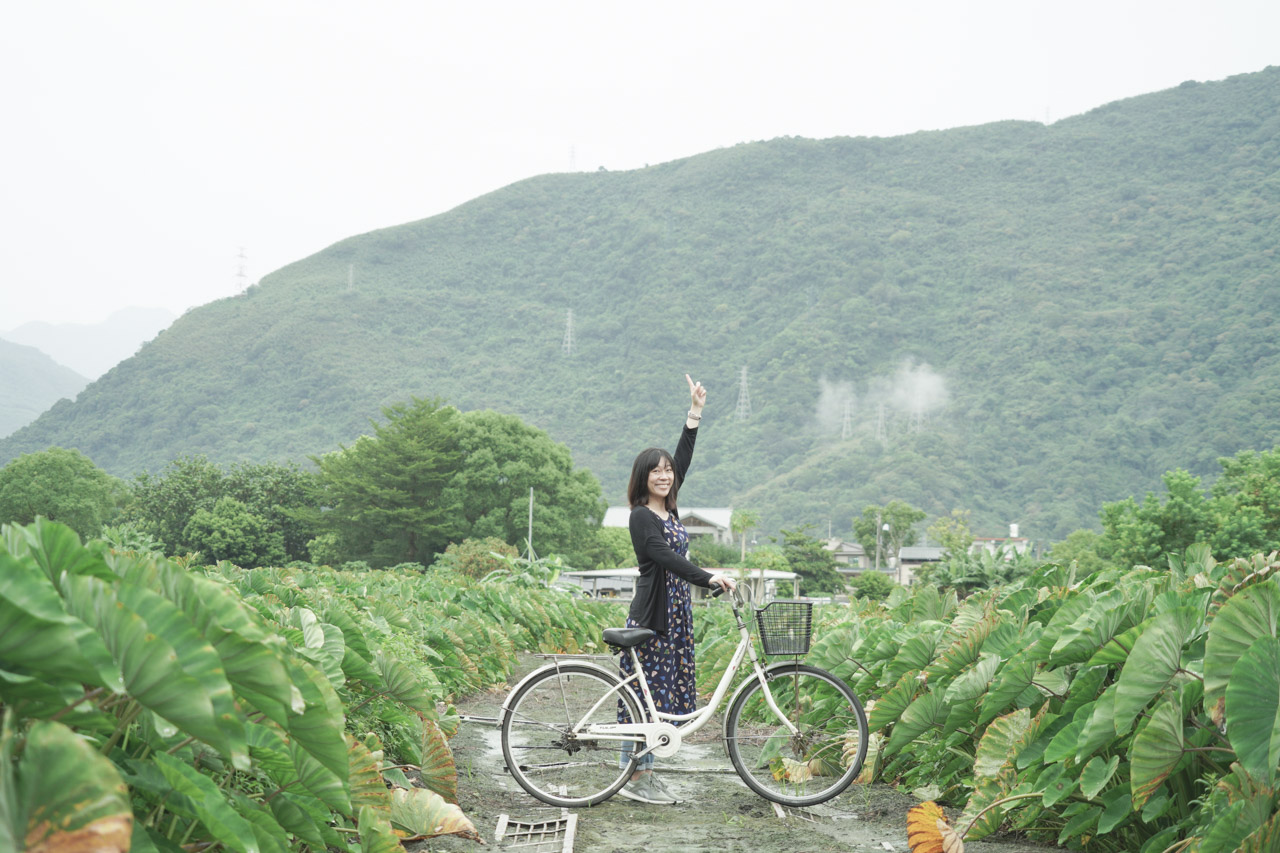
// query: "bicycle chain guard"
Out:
[654,734]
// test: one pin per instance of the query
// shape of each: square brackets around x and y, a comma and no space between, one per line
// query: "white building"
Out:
[698,521]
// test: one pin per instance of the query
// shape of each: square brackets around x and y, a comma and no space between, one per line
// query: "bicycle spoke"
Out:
[539,722]
[807,766]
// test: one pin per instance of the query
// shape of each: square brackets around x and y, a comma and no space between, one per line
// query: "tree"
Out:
[707,553]
[1080,547]
[283,497]
[741,521]
[1246,504]
[230,531]
[61,485]
[887,529]
[1142,534]
[872,584]
[475,557]
[807,557]
[389,495]
[606,548]
[952,532]
[502,459]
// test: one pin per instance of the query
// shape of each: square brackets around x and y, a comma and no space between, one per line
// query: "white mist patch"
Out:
[902,402]
[835,402]
[917,391]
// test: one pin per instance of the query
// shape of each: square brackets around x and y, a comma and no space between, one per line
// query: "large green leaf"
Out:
[252,653]
[1096,774]
[270,751]
[1100,726]
[41,636]
[438,770]
[1064,744]
[914,655]
[63,795]
[155,673]
[1157,749]
[318,730]
[1080,640]
[56,549]
[1265,839]
[889,707]
[217,816]
[294,818]
[376,834]
[1118,648]
[1253,709]
[199,660]
[1014,677]
[963,651]
[367,786]
[267,831]
[926,712]
[1001,743]
[1117,808]
[1154,662]
[973,683]
[1246,617]
[401,684]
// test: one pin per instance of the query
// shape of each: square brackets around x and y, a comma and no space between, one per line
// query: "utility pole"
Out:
[744,397]
[881,433]
[530,556]
[242,275]
[567,346]
[877,541]
[846,428]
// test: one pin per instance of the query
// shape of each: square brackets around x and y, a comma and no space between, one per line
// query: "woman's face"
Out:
[661,479]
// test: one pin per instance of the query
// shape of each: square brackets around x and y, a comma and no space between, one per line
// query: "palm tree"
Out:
[740,521]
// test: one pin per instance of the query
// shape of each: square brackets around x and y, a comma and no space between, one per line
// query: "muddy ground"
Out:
[719,814]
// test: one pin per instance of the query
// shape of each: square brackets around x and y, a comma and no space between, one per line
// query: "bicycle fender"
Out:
[786,664]
[553,666]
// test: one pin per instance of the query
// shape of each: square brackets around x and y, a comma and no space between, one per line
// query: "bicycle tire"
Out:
[541,751]
[812,766]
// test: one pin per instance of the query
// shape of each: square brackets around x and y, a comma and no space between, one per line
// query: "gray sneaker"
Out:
[644,790]
[662,786]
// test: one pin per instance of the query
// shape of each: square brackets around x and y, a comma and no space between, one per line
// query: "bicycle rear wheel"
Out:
[540,744]
[820,759]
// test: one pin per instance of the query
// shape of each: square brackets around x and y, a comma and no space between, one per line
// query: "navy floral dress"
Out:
[668,661]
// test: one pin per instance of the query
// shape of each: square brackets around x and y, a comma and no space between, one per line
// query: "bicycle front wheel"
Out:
[542,745]
[816,762]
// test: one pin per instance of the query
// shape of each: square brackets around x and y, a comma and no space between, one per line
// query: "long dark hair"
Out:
[638,486]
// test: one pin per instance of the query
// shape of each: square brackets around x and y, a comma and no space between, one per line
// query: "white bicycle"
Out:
[573,731]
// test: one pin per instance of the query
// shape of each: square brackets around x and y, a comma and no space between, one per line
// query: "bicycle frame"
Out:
[662,736]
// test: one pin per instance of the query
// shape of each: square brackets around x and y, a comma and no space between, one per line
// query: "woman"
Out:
[662,600]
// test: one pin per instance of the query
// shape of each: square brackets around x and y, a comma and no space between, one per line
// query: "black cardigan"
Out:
[649,607]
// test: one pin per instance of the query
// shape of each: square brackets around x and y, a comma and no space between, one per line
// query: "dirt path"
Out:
[721,814]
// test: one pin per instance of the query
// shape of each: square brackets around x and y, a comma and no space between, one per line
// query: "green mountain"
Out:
[1021,320]
[31,382]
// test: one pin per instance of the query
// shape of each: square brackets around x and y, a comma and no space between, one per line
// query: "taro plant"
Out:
[1124,711]
[149,706]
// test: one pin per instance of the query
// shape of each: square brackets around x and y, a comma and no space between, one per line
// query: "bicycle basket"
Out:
[785,627]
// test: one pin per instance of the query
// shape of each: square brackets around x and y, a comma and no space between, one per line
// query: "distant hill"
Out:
[1021,320]
[31,382]
[92,349]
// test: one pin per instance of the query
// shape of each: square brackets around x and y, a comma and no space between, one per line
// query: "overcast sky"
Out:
[146,143]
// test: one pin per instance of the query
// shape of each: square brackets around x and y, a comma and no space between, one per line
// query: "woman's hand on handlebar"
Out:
[725,584]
